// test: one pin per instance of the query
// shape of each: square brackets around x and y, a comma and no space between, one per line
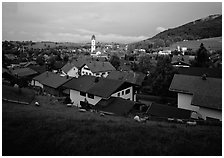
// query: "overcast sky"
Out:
[110,22]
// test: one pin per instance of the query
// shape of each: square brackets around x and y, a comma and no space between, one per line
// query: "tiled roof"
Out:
[51,79]
[97,66]
[75,63]
[198,71]
[127,76]
[206,93]
[38,68]
[102,87]
[160,110]
[23,72]
[115,105]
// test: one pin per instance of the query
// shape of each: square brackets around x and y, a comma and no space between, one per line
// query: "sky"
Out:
[123,22]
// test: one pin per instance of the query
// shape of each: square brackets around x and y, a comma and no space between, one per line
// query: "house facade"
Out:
[97,68]
[93,89]
[200,94]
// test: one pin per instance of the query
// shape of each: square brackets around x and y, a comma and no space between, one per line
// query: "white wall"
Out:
[184,102]
[205,112]
[36,83]
[73,72]
[125,96]
[76,98]
[84,71]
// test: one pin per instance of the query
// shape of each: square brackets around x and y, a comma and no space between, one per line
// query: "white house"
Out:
[200,94]
[97,68]
[93,89]
[72,68]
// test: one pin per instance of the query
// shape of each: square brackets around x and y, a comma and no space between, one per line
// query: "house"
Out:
[92,89]
[24,73]
[127,76]
[199,71]
[200,94]
[182,60]
[97,68]
[72,68]
[51,82]
[115,106]
[165,111]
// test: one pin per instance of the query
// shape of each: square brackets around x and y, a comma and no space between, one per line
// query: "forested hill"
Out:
[208,27]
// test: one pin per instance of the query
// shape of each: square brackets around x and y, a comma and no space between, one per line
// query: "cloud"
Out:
[160,29]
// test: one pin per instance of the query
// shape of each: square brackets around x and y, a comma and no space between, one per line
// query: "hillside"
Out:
[54,129]
[208,27]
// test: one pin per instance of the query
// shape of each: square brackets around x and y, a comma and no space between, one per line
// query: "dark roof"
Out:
[127,76]
[38,68]
[105,87]
[206,93]
[51,79]
[23,72]
[197,71]
[83,83]
[115,105]
[102,87]
[59,64]
[75,63]
[186,58]
[160,110]
[98,66]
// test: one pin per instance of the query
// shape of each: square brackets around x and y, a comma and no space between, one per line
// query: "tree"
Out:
[145,66]
[115,61]
[162,76]
[202,57]
[40,60]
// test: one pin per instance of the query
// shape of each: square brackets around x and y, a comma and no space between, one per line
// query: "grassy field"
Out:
[54,129]
[16,94]
[209,43]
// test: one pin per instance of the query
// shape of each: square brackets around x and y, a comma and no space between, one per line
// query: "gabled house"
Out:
[51,82]
[97,68]
[92,89]
[200,94]
[72,68]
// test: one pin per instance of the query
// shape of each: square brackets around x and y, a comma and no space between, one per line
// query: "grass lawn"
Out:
[54,129]
[22,95]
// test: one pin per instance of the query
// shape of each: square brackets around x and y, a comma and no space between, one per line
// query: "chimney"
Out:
[96,79]
[67,76]
[203,77]
[47,74]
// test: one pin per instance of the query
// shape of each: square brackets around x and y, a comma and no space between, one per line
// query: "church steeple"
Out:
[93,42]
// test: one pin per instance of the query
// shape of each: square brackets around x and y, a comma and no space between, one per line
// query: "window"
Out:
[82,94]
[127,91]
[122,92]
[91,96]
[118,94]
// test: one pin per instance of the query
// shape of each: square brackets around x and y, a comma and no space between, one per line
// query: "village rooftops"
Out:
[127,76]
[98,66]
[98,86]
[23,72]
[51,79]
[75,63]
[206,91]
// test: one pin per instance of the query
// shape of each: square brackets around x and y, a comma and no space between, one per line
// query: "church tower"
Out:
[93,42]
